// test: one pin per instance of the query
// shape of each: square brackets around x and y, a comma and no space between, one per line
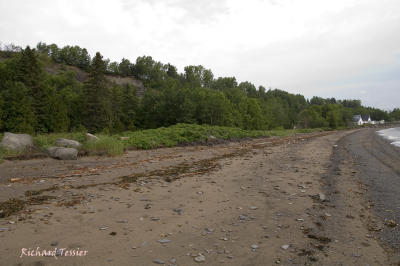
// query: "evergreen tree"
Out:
[18,114]
[30,72]
[97,113]
[130,103]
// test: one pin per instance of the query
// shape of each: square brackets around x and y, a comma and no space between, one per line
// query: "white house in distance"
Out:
[365,119]
[362,119]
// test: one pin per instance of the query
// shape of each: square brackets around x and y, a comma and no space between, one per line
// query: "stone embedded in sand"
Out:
[178,211]
[209,230]
[322,197]
[158,261]
[172,261]
[285,247]
[254,246]
[164,241]
[200,258]
[244,217]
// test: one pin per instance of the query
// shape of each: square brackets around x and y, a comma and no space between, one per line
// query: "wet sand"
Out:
[290,201]
[378,163]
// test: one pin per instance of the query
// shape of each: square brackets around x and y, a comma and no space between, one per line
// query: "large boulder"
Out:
[91,137]
[68,143]
[62,153]
[17,142]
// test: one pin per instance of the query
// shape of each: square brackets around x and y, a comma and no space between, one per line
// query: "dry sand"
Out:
[255,202]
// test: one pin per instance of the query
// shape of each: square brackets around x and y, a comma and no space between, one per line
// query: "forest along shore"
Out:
[291,200]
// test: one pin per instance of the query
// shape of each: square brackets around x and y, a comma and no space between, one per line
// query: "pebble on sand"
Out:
[254,246]
[200,258]
[158,261]
[164,241]
[322,197]
[178,211]
[285,247]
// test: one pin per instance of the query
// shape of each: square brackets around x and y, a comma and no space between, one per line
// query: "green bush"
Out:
[187,133]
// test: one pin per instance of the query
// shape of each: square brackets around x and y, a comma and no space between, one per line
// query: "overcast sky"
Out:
[328,48]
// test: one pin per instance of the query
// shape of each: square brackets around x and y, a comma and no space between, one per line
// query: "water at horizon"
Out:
[391,134]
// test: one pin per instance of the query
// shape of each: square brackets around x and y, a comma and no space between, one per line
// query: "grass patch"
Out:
[106,145]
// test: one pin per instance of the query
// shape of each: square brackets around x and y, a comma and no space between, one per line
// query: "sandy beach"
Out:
[309,199]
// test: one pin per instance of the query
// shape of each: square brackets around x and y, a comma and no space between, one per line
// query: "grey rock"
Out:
[172,261]
[68,143]
[62,153]
[200,258]
[178,211]
[209,230]
[91,137]
[244,217]
[164,241]
[254,246]
[322,197]
[55,243]
[285,247]
[17,142]
[211,138]
[3,229]
[158,261]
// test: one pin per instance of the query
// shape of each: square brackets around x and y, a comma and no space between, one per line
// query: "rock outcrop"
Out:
[62,153]
[91,137]
[68,143]
[16,142]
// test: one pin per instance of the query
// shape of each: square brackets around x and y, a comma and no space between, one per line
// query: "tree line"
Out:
[35,99]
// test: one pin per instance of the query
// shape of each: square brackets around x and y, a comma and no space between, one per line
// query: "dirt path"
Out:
[249,203]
